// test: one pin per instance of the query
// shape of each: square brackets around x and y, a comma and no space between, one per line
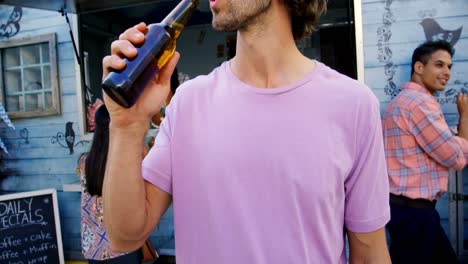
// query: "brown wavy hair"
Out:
[305,15]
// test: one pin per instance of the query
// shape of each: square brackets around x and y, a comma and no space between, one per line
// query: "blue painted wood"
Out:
[41,149]
[48,120]
[37,163]
[50,165]
[25,153]
[66,51]
[36,22]
[376,79]
[33,14]
[69,209]
[35,130]
[402,52]
[391,32]
[412,31]
[68,85]
[66,68]
[62,165]
[404,10]
[30,181]
[442,207]
[69,103]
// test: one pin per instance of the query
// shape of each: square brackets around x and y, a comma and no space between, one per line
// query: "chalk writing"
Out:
[19,213]
[28,232]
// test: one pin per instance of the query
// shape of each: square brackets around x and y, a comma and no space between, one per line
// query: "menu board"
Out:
[30,228]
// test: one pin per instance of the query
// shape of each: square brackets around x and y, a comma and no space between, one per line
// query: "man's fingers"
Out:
[142,27]
[110,63]
[123,48]
[462,99]
[135,35]
[168,69]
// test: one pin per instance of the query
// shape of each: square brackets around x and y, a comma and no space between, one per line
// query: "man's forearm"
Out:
[124,192]
[370,259]
[368,248]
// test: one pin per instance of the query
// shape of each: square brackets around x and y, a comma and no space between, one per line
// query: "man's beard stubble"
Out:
[240,17]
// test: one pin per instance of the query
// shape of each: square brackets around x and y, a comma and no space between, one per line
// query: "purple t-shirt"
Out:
[271,175]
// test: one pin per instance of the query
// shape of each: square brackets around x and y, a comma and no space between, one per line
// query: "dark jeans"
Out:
[417,237]
[130,258]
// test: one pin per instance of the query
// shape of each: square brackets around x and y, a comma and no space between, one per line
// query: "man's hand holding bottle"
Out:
[153,95]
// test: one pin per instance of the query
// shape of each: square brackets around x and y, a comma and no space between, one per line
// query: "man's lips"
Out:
[214,4]
[443,81]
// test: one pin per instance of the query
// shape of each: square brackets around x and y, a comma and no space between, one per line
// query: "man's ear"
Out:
[418,67]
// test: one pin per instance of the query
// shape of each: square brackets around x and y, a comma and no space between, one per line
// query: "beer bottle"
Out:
[125,86]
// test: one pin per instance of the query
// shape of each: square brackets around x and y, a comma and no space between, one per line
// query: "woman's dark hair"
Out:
[305,16]
[424,51]
[95,164]
[174,81]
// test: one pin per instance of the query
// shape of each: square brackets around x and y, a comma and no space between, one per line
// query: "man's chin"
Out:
[223,28]
[440,89]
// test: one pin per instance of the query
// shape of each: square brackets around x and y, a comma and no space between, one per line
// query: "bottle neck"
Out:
[179,16]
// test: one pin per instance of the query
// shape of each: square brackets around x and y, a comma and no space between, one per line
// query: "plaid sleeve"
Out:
[434,136]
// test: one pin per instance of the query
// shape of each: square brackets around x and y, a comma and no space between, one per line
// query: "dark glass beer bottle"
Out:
[125,86]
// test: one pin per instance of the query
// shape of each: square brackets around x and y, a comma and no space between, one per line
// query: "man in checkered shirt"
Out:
[420,149]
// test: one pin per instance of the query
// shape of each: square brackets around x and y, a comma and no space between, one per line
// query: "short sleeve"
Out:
[156,166]
[367,206]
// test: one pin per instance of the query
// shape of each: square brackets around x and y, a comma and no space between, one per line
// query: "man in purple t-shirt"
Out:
[271,158]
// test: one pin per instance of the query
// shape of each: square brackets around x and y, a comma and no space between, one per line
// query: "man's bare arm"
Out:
[132,207]
[368,247]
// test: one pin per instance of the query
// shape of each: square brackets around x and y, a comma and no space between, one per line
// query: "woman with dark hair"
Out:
[234,195]
[158,117]
[94,243]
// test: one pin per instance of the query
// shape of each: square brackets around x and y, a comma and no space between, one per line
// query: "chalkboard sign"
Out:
[30,228]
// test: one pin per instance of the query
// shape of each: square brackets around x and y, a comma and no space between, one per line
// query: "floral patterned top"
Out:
[94,242]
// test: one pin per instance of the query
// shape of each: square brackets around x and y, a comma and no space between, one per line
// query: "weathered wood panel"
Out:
[37,22]
[68,85]
[392,30]
[412,31]
[405,10]
[34,130]
[402,52]
[69,204]
[41,167]
[35,161]
[23,182]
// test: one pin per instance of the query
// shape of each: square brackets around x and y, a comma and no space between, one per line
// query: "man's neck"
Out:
[267,55]
[415,78]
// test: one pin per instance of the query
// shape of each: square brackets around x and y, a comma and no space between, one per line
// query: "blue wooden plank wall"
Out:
[37,160]
[392,29]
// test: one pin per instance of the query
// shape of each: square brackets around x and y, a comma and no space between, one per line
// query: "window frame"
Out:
[51,39]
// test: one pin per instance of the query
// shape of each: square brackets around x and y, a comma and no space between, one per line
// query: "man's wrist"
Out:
[136,130]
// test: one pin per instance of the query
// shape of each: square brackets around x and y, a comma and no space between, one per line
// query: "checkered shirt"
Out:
[419,146]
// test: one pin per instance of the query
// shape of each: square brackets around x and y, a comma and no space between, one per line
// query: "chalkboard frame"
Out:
[53,192]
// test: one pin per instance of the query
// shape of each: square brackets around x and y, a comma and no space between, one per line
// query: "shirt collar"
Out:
[416,87]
